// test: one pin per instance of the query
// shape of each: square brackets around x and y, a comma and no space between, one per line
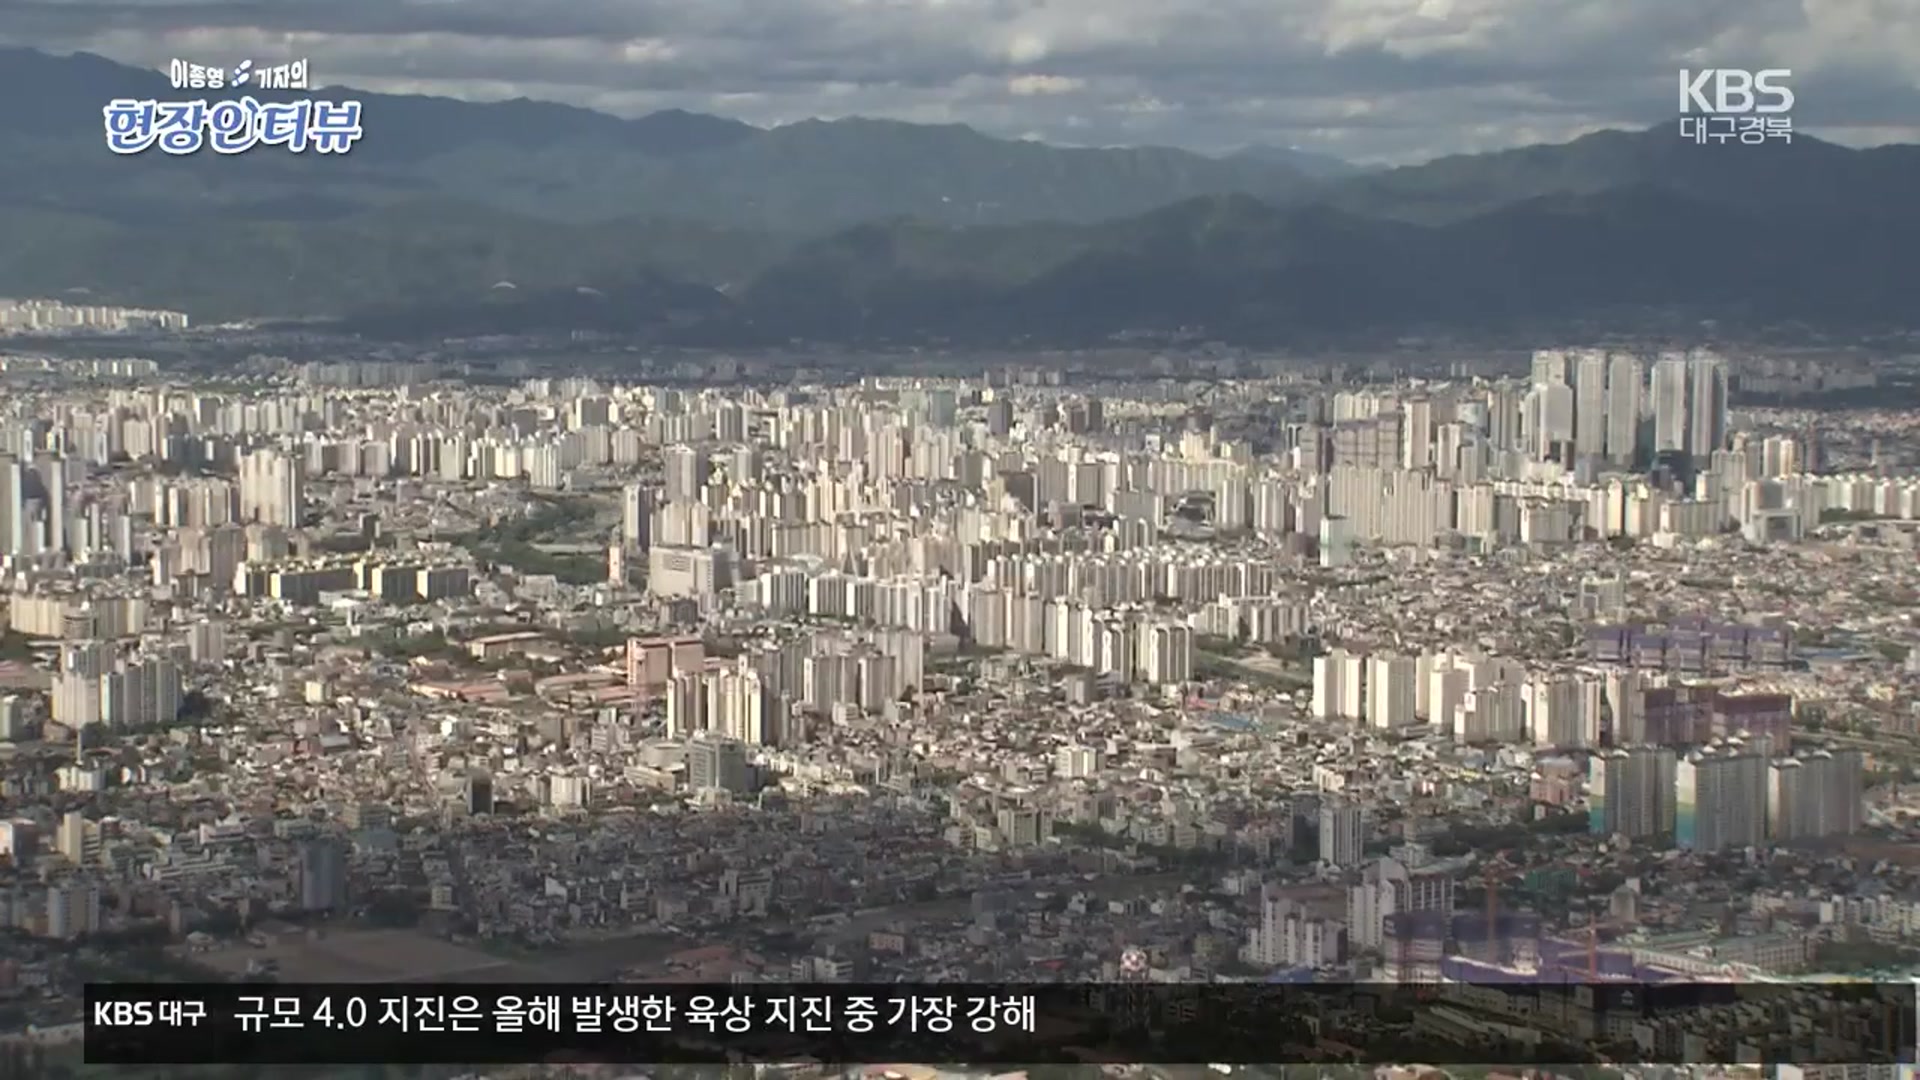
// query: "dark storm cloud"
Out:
[1366,78]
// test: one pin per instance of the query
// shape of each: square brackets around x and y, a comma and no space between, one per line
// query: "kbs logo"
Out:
[1733,92]
[164,1013]
[1726,104]
[124,1013]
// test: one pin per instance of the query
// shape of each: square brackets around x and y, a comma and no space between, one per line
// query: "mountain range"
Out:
[452,217]
[560,163]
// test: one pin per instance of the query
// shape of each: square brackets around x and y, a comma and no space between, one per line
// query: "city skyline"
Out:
[1461,669]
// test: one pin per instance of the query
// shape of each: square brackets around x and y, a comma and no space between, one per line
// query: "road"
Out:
[1879,744]
[599,961]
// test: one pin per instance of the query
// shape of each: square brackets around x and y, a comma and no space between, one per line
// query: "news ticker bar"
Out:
[1017,1023]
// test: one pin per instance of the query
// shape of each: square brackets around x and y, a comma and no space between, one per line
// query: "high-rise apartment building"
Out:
[13,506]
[134,693]
[1417,435]
[1393,687]
[1292,936]
[1504,407]
[683,470]
[1343,833]
[1706,404]
[1670,378]
[1563,712]
[1626,720]
[48,478]
[999,418]
[1339,685]
[1630,792]
[738,705]
[323,875]
[1720,798]
[1626,389]
[636,517]
[1550,421]
[1590,403]
[73,909]
[1815,796]
[1550,367]
[272,490]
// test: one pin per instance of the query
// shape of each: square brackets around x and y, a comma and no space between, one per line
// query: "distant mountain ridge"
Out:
[1237,269]
[556,161]
[697,229]
[1804,174]
[1307,162]
[1232,268]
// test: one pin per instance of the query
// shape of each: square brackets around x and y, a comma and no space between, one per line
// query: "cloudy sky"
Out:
[1369,80]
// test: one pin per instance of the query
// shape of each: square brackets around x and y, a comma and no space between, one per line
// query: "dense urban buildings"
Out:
[52,316]
[1530,670]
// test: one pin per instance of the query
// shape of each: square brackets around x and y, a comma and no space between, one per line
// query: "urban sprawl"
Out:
[347,672]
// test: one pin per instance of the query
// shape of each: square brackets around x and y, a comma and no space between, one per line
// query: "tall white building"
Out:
[1417,435]
[1392,683]
[683,469]
[1505,406]
[636,517]
[1166,653]
[272,490]
[75,700]
[1626,386]
[13,507]
[1550,420]
[1563,712]
[1339,685]
[1720,799]
[737,706]
[1550,367]
[1338,537]
[1290,936]
[686,695]
[1630,792]
[1670,403]
[1706,405]
[1814,796]
[1449,679]
[1590,403]
[1626,705]
[1490,713]
[50,474]
[1077,762]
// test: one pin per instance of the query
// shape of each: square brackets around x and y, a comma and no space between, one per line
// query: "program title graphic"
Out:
[183,125]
